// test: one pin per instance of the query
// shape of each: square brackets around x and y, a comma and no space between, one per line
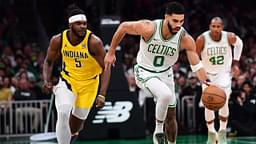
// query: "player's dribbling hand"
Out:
[47,87]
[100,101]
[109,60]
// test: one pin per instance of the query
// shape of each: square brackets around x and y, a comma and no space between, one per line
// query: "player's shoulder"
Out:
[146,23]
[94,39]
[185,36]
[231,37]
[201,37]
[231,34]
[56,38]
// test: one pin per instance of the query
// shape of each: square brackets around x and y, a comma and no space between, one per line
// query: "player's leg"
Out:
[76,122]
[223,118]
[163,98]
[212,134]
[171,125]
[64,100]
[87,93]
[209,118]
[224,81]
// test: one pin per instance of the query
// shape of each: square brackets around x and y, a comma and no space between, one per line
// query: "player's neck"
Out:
[215,37]
[73,38]
[165,31]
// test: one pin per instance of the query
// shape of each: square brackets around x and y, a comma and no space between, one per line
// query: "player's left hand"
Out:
[235,71]
[100,101]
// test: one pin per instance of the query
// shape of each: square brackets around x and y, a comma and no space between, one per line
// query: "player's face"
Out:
[216,27]
[175,21]
[79,28]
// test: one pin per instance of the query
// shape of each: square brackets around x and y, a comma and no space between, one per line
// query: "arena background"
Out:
[27,25]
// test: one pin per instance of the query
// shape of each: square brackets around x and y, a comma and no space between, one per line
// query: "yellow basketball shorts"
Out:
[81,93]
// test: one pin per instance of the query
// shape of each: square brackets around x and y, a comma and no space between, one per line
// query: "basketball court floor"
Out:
[188,139]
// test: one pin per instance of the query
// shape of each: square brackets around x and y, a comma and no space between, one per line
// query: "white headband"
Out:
[78,17]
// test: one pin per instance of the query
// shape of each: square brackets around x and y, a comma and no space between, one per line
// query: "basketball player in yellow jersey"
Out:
[82,56]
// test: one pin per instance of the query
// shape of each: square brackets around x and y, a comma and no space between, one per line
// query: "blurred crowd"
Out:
[21,60]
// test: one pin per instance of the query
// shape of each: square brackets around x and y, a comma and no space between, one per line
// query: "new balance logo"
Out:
[118,113]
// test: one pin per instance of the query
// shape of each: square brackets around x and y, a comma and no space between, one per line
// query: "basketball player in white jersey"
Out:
[214,47]
[160,43]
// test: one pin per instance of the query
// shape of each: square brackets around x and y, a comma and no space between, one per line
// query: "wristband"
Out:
[101,96]
[196,67]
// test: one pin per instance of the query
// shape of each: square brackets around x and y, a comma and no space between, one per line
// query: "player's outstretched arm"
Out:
[144,28]
[53,53]
[97,49]
[238,48]
[189,45]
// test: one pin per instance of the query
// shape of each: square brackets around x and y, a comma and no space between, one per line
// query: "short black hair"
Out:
[73,9]
[174,8]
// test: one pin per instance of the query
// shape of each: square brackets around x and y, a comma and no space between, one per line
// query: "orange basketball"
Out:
[213,97]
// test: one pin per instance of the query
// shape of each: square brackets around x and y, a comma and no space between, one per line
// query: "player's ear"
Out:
[69,25]
[165,16]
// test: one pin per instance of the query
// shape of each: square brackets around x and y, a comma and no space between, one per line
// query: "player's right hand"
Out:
[47,87]
[109,60]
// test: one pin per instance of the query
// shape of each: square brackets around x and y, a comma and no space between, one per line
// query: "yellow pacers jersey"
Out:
[77,63]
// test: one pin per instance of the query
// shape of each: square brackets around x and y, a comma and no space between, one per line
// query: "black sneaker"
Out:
[159,138]
[73,138]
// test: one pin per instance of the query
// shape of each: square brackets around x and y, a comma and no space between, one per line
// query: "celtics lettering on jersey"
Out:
[161,49]
[216,54]
[159,53]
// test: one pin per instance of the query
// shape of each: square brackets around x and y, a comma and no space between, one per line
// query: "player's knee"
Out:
[166,98]
[223,118]
[224,111]
[62,116]
[64,112]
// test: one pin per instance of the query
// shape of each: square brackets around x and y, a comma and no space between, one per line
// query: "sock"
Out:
[210,116]
[159,127]
[223,125]
[224,112]
[63,132]
[211,127]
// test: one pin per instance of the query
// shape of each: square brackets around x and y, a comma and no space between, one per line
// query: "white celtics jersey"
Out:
[216,55]
[158,54]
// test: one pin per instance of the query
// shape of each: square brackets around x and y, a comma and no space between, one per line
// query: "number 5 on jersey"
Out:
[78,62]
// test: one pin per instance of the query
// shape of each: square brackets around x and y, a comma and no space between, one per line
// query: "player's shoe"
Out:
[212,138]
[222,137]
[73,138]
[159,138]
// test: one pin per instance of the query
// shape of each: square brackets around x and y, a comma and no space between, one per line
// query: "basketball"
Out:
[213,98]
